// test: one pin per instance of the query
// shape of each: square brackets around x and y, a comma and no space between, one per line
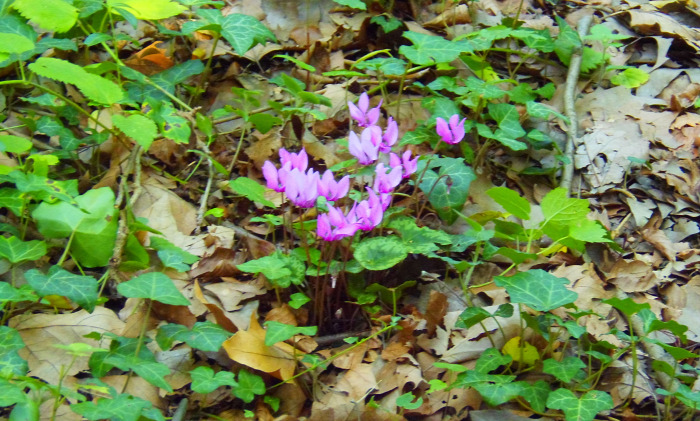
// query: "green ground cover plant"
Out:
[348,243]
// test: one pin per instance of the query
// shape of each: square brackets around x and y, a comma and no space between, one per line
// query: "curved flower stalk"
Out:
[362,114]
[451,132]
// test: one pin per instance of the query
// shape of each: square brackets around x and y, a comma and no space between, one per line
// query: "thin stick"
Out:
[569,104]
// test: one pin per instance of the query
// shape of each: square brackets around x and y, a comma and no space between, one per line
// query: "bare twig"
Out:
[569,104]
[205,196]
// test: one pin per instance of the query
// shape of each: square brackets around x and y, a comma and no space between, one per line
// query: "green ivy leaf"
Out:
[496,394]
[296,300]
[280,269]
[204,380]
[241,31]
[565,370]
[418,240]
[10,361]
[584,409]
[96,88]
[249,385]
[11,199]
[511,201]
[11,393]
[539,110]
[405,401]
[14,144]
[171,255]
[430,49]
[490,360]
[52,15]
[151,371]
[279,332]
[122,407]
[44,188]
[538,289]
[138,127]
[206,336]
[449,187]
[250,189]
[380,253]
[80,289]
[10,294]
[154,286]
[535,394]
[16,250]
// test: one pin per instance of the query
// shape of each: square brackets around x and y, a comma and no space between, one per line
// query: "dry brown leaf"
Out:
[219,313]
[248,347]
[40,332]
[437,308]
[358,381]
[632,276]
[232,292]
[395,350]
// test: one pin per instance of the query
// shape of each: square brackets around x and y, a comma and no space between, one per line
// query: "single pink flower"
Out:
[386,182]
[391,135]
[272,177]
[361,112]
[365,147]
[302,188]
[409,165]
[334,225]
[368,213]
[452,132]
[292,160]
[333,190]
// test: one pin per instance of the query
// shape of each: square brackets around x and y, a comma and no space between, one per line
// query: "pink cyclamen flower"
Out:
[333,190]
[391,135]
[409,165]
[452,132]
[291,160]
[365,147]
[275,180]
[334,225]
[385,182]
[361,112]
[368,213]
[302,188]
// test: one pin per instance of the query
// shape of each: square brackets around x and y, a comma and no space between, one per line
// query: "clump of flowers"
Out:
[303,185]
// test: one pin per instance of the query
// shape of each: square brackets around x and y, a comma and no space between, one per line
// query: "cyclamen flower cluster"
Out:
[303,185]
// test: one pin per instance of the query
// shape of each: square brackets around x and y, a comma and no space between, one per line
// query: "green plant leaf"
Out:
[44,188]
[589,231]
[418,240]
[406,401]
[52,15]
[496,394]
[14,144]
[538,289]
[627,306]
[559,209]
[539,110]
[380,253]
[10,361]
[204,380]
[151,371]
[8,293]
[508,119]
[206,336]
[154,286]
[431,49]
[630,78]
[580,409]
[171,255]
[251,189]
[241,31]
[511,201]
[96,88]
[147,10]
[11,199]
[279,332]
[565,370]
[471,316]
[490,360]
[296,300]
[448,188]
[249,385]
[355,4]
[16,250]
[94,224]
[138,127]
[535,394]
[11,393]
[122,407]
[58,281]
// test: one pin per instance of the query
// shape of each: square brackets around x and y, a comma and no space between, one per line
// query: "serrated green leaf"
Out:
[96,88]
[355,4]
[589,231]
[249,385]
[449,187]
[16,250]
[52,15]
[58,281]
[430,49]
[511,201]
[630,78]
[15,43]
[148,10]
[14,144]
[251,189]
[559,209]
[380,253]
[280,332]
[204,380]
[138,127]
[154,286]
[537,289]
[584,409]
